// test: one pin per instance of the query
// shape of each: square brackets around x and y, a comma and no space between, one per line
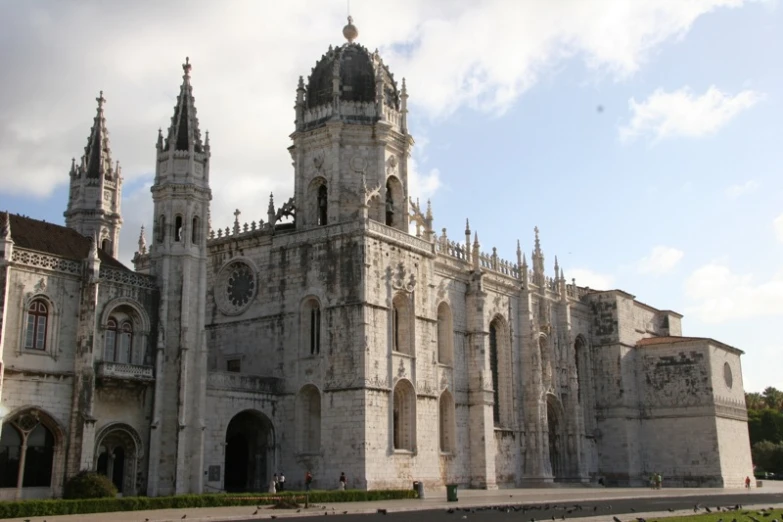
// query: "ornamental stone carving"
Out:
[236,287]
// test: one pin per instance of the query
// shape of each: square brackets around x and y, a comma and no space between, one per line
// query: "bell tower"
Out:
[351,140]
[96,189]
[178,257]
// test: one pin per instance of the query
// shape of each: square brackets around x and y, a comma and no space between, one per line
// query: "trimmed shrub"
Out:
[87,484]
[41,508]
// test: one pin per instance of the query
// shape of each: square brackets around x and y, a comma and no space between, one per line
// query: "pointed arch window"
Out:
[493,366]
[401,325]
[161,228]
[323,205]
[106,245]
[26,453]
[37,321]
[311,327]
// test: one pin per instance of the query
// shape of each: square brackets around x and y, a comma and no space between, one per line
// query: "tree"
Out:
[773,398]
[768,456]
[754,401]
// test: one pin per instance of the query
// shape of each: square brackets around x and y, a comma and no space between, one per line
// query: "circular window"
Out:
[236,287]
[727,376]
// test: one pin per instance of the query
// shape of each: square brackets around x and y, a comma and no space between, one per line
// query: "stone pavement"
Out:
[432,500]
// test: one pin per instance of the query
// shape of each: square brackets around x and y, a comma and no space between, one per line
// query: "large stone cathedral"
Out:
[338,334]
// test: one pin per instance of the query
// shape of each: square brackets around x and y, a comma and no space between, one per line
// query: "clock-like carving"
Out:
[236,287]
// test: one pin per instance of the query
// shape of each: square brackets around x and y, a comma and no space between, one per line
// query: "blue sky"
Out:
[642,138]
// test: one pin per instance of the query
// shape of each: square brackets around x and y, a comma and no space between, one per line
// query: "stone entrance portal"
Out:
[250,452]
[119,449]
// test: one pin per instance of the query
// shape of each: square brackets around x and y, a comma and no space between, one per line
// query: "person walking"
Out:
[281,482]
[308,480]
[273,484]
[343,480]
[747,482]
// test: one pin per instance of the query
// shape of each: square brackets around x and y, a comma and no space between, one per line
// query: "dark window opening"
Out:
[195,234]
[323,204]
[493,365]
[178,229]
[315,331]
[234,365]
[389,205]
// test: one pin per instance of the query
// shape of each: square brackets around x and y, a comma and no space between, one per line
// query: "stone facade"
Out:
[329,337]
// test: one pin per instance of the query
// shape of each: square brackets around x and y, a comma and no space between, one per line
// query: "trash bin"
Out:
[451,492]
[418,487]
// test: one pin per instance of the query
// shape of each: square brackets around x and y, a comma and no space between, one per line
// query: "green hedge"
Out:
[39,508]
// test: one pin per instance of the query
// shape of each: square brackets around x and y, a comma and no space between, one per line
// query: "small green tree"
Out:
[87,484]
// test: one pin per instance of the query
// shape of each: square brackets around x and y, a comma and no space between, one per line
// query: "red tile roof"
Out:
[56,240]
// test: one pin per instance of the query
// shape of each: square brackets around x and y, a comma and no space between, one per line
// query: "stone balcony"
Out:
[106,370]
[239,382]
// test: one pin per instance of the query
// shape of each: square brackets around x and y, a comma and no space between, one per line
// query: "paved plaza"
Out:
[651,503]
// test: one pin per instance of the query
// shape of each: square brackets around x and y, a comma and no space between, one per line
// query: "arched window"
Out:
[118,345]
[578,354]
[195,234]
[389,204]
[26,453]
[106,246]
[311,327]
[37,319]
[404,416]
[493,367]
[445,335]
[323,204]
[308,412]
[401,327]
[178,228]
[161,229]
[446,424]
[500,369]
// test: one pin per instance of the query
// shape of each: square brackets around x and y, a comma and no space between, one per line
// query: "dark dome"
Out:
[357,77]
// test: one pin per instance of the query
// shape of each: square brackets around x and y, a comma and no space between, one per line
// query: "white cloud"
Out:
[681,114]
[661,260]
[778,224]
[589,278]
[735,191]
[719,295]
[247,58]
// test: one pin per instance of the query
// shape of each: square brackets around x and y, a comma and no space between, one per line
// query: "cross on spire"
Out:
[101,100]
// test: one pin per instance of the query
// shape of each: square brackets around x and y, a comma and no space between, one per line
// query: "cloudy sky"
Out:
[643,138]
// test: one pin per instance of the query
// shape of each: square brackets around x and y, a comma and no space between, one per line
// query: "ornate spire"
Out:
[142,242]
[96,161]
[236,221]
[270,211]
[184,130]
[538,262]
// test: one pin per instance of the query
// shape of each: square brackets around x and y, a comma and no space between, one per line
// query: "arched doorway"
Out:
[118,451]
[554,426]
[250,446]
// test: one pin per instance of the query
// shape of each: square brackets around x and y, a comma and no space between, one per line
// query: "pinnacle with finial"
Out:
[467,226]
[186,67]
[350,32]
[142,242]
[429,209]
[101,100]
[6,230]
[524,260]
[271,202]
[475,240]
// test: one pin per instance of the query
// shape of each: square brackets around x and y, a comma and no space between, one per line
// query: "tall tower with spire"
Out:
[178,257]
[351,143]
[96,189]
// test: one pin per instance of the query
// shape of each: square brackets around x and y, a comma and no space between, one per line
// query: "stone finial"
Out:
[300,86]
[236,221]
[557,267]
[524,261]
[270,211]
[538,242]
[159,144]
[101,100]
[206,139]
[142,242]
[350,32]
[5,230]
[186,67]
